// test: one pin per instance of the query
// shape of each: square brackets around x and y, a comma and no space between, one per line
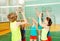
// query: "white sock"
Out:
[39,38]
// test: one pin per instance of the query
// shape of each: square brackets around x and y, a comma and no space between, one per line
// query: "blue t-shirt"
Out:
[33,31]
[39,26]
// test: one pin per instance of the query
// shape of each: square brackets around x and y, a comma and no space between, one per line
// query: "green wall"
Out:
[54,10]
[41,1]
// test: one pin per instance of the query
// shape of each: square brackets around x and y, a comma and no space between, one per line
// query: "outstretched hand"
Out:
[34,21]
[47,13]
[20,9]
[38,13]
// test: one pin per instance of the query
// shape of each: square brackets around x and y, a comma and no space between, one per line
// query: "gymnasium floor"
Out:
[7,37]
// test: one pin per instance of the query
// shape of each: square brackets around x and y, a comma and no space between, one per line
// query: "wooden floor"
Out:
[4,28]
[55,27]
[4,32]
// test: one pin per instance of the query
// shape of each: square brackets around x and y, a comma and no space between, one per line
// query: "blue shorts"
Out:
[39,27]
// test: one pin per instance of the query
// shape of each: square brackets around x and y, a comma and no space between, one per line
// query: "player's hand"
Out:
[46,11]
[20,9]
[40,15]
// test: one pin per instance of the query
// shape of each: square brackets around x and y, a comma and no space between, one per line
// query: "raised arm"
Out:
[41,23]
[47,13]
[35,21]
[37,12]
[24,18]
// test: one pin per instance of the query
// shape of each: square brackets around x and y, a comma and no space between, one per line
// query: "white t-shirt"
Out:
[47,28]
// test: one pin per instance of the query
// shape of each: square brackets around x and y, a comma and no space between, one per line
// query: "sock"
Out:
[39,39]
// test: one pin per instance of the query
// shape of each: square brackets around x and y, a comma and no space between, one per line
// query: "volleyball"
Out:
[21,2]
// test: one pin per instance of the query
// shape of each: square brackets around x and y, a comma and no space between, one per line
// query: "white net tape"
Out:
[56,3]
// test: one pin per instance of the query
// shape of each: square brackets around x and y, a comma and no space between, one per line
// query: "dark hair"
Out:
[49,21]
[42,17]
